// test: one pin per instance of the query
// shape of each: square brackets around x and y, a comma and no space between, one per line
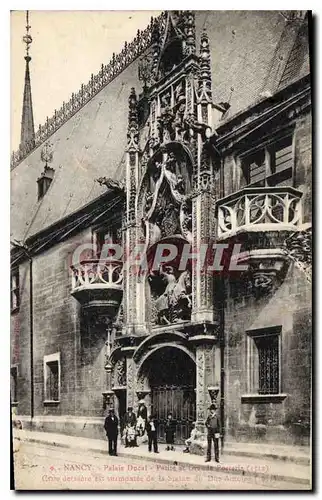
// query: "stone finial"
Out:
[190,32]
[205,69]
[133,124]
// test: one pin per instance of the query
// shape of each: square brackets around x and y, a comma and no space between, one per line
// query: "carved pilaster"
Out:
[131,398]
[205,375]
[202,202]
[203,227]
[133,291]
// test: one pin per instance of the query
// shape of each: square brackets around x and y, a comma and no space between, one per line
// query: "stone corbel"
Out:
[266,271]
[213,391]
[108,399]
[141,394]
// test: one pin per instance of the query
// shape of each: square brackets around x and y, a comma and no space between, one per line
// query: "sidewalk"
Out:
[267,468]
[297,454]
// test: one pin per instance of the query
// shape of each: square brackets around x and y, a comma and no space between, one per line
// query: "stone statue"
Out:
[179,93]
[175,303]
[121,372]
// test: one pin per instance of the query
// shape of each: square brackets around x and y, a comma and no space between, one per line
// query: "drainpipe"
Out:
[31,310]
[222,362]
[31,328]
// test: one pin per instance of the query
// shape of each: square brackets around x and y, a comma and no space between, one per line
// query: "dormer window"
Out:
[44,181]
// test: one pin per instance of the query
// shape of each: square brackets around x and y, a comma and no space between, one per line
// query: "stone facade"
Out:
[181,339]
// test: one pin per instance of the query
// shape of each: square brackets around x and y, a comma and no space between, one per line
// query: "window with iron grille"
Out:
[263,359]
[14,384]
[52,377]
[15,293]
[270,165]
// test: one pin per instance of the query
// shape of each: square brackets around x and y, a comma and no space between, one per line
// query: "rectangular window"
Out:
[263,359]
[270,165]
[52,377]
[105,236]
[14,384]
[15,295]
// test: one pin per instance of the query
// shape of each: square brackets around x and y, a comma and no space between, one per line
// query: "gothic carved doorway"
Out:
[172,379]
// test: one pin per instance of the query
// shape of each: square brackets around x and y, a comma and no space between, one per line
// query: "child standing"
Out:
[170,429]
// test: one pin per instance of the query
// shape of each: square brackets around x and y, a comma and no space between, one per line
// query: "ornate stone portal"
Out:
[169,199]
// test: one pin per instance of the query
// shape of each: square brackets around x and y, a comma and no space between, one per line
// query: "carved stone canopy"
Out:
[163,196]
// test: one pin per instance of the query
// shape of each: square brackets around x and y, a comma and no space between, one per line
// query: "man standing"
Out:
[130,430]
[213,432]
[152,430]
[111,429]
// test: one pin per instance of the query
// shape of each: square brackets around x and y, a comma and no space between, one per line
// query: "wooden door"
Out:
[181,402]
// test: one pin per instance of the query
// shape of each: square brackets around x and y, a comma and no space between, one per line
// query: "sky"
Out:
[67,47]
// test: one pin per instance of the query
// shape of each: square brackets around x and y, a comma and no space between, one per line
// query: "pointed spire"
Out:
[27,138]
[205,70]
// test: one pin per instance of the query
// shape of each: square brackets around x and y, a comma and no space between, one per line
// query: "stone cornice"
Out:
[284,105]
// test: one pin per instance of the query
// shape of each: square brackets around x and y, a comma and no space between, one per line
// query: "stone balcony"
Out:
[259,209]
[261,220]
[98,285]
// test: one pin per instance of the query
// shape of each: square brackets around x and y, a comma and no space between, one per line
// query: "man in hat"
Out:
[213,432]
[152,430]
[111,429]
[130,431]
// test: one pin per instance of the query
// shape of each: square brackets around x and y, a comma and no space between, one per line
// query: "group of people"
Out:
[137,425]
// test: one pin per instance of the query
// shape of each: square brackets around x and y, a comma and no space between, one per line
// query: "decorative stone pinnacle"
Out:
[133,114]
[190,32]
[205,70]
[133,125]
[204,49]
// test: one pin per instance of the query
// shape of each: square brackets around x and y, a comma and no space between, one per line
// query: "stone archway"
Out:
[169,372]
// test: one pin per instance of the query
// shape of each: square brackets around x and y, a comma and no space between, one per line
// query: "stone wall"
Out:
[57,328]
[289,307]
[287,420]
[20,341]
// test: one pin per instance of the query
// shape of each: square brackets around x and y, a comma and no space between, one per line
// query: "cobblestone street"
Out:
[40,467]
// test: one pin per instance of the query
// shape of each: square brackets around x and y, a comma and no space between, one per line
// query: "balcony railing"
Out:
[94,273]
[256,209]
